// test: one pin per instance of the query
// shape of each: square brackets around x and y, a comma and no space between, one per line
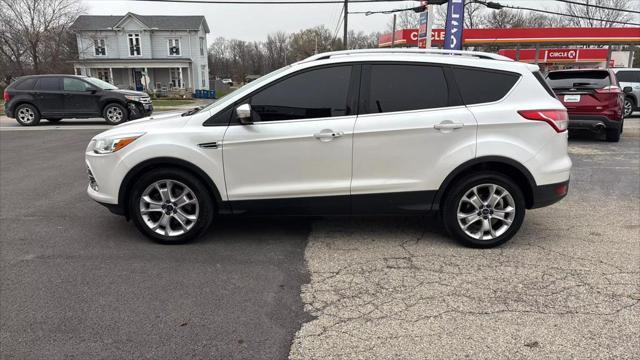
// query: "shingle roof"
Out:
[161,22]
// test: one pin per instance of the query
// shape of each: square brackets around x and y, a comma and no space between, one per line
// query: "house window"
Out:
[134,45]
[99,47]
[202,46]
[174,47]
[103,74]
[175,78]
[203,74]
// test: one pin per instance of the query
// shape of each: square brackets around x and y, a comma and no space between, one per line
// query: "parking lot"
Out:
[79,282]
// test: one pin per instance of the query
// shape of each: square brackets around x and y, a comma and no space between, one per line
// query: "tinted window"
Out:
[590,79]
[312,94]
[482,86]
[26,84]
[48,84]
[544,83]
[71,84]
[405,87]
[628,76]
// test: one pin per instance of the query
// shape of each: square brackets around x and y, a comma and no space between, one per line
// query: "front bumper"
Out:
[545,195]
[592,122]
[140,110]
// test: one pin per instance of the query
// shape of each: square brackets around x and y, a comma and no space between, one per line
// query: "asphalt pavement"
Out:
[77,282]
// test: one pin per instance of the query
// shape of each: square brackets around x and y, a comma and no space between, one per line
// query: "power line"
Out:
[567,15]
[275,2]
[414,9]
[597,6]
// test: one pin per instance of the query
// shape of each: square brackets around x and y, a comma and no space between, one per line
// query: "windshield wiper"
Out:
[192,111]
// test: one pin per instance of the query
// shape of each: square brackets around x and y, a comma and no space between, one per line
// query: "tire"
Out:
[499,231]
[613,135]
[54,120]
[27,115]
[196,216]
[628,107]
[115,114]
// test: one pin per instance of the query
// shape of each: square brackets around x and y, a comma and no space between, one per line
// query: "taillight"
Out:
[5,96]
[611,89]
[558,119]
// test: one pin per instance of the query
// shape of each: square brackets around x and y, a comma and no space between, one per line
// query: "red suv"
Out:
[593,99]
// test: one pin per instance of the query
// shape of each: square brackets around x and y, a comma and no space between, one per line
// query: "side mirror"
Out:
[627,90]
[244,114]
[92,90]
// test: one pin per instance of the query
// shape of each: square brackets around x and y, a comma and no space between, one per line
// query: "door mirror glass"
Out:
[627,90]
[244,114]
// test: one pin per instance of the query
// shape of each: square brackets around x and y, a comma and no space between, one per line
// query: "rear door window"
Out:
[628,76]
[403,87]
[591,79]
[482,86]
[26,84]
[48,84]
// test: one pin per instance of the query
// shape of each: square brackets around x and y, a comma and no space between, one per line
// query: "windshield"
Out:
[101,84]
[591,79]
[252,85]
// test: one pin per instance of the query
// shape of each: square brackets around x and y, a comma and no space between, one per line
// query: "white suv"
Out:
[473,135]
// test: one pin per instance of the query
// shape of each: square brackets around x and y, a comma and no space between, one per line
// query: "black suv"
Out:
[54,97]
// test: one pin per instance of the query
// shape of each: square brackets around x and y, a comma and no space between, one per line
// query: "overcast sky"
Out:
[254,22]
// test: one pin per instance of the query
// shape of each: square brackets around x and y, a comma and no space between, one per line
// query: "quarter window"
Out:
[396,87]
[174,47]
[311,94]
[134,45]
[482,86]
[71,84]
[99,47]
[26,84]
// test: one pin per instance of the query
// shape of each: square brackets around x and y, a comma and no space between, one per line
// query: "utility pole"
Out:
[346,27]
[393,32]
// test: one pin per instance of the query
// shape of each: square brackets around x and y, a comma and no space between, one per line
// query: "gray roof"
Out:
[161,22]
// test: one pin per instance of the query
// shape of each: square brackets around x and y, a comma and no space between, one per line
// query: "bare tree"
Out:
[607,15]
[33,30]
[404,20]
[275,49]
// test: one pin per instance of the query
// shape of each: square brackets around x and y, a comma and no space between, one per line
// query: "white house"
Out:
[144,52]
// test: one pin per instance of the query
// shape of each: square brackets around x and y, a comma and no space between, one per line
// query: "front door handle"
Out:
[328,135]
[448,125]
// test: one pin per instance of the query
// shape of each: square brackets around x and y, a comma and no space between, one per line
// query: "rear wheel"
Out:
[484,210]
[170,206]
[613,135]
[27,115]
[115,114]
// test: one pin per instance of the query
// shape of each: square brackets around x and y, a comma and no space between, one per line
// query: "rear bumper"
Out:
[545,195]
[592,122]
[8,110]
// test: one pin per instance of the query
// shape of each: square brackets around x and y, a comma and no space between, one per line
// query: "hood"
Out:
[130,92]
[147,124]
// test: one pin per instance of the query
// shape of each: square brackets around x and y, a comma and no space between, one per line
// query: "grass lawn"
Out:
[1,109]
[168,103]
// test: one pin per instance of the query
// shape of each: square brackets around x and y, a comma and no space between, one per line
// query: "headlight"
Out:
[133,98]
[112,144]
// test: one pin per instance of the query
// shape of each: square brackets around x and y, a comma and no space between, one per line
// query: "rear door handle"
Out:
[448,125]
[328,135]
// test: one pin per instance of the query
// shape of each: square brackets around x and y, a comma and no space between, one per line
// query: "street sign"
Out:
[454,25]
[422,29]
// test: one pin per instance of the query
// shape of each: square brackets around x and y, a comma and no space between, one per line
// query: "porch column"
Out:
[181,80]
[111,76]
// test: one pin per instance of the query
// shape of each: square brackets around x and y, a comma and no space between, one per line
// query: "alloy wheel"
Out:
[26,115]
[628,107]
[486,211]
[114,114]
[169,207]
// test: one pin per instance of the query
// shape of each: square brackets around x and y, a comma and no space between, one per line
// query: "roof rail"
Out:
[478,54]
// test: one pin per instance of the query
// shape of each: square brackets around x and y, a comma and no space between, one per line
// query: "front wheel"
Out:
[171,206]
[115,114]
[628,107]
[484,210]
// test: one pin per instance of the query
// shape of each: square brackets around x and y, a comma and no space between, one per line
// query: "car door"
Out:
[296,155]
[412,130]
[48,96]
[80,97]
